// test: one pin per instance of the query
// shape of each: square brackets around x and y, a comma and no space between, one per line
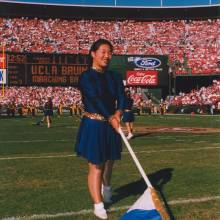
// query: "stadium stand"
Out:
[192,45]
[35,97]
[205,97]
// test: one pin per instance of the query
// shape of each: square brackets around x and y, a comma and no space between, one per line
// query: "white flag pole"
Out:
[156,200]
[141,170]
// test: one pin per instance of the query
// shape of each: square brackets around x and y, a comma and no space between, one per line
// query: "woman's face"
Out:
[102,56]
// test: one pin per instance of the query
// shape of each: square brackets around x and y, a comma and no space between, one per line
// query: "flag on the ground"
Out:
[148,206]
[143,209]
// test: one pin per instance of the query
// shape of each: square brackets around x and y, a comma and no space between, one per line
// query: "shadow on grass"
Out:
[158,180]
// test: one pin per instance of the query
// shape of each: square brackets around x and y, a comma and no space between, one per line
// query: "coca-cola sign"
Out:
[142,78]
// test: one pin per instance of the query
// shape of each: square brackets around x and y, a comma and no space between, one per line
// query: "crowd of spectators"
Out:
[204,96]
[193,46]
[67,97]
[37,96]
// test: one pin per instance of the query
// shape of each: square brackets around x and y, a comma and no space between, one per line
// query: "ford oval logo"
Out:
[147,62]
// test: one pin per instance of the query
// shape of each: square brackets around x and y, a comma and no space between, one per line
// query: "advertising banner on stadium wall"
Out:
[145,62]
[142,78]
[2,76]
[140,70]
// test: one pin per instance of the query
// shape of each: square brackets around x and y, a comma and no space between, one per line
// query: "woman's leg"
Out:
[127,124]
[107,172]
[131,126]
[95,182]
[129,129]
[48,121]
[106,181]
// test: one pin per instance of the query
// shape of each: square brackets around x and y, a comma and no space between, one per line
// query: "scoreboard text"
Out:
[37,69]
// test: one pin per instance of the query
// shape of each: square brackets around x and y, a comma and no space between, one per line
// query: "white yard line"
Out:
[176,150]
[216,144]
[38,157]
[198,142]
[66,140]
[34,141]
[125,152]
[193,200]
[69,140]
[90,211]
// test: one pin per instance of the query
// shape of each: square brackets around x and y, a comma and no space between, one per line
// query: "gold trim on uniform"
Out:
[95,116]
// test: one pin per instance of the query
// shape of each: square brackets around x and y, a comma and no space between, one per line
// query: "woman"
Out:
[48,111]
[128,116]
[97,140]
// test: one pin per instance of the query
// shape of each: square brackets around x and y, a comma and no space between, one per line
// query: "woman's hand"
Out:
[114,122]
[118,115]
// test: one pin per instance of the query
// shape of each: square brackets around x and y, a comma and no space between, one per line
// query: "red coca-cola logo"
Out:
[142,78]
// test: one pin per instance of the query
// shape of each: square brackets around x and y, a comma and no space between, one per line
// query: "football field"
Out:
[41,178]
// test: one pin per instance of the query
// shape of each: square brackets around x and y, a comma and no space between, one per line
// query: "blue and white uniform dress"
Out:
[102,95]
[48,109]
[128,115]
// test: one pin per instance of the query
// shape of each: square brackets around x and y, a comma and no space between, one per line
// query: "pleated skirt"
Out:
[97,141]
[128,116]
[48,112]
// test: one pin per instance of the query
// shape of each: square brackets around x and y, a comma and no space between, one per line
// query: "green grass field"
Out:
[41,178]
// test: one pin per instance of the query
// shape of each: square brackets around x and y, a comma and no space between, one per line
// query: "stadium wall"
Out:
[108,13]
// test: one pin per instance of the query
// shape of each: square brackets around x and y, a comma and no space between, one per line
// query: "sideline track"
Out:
[90,211]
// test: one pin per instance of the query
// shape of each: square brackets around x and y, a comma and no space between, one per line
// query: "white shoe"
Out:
[100,213]
[130,135]
[107,194]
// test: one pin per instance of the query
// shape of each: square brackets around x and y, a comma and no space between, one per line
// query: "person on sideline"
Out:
[48,111]
[98,140]
[128,115]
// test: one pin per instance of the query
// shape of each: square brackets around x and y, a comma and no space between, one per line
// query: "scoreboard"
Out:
[38,69]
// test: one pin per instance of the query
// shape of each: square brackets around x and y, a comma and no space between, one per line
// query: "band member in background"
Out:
[74,108]
[162,107]
[29,109]
[12,107]
[98,140]
[33,110]
[128,115]
[48,111]
[60,109]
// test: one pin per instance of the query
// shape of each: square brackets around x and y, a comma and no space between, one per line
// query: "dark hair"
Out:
[95,46]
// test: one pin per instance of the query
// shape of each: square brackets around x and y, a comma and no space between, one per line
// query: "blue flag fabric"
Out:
[142,209]
[138,214]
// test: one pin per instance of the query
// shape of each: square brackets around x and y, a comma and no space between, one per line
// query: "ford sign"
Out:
[147,62]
